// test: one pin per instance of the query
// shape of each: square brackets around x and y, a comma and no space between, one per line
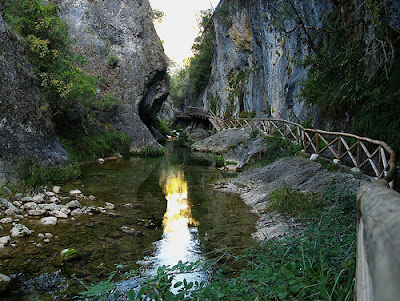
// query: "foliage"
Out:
[294,202]
[190,82]
[112,60]
[161,126]
[150,151]
[219,161]
[32,175]
[96,145]
[157,15]
[318,263]
[276,148]
[247,114]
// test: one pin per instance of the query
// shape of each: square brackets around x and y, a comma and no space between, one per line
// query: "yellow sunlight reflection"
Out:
[178,215]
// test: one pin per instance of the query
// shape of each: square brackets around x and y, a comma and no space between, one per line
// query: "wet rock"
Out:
[48,221]
[73,204]
[37,212]
[6,220]
[18,218]
[77,212]
[7,191]
[70,254]
[20,230]
[129,230]
[59,214]
[109,206]
[75,192]
[30,206]
[57,189]
[4,282]
[5,240]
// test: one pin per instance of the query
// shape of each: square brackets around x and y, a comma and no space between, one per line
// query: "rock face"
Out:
[121,46]
[254,67]
[25,131]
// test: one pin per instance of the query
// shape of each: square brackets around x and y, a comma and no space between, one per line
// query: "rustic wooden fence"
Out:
[373,156]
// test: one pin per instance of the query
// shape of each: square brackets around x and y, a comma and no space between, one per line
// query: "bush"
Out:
[161,126]
[112,60]
[219,161]
[277,148]
[150,151]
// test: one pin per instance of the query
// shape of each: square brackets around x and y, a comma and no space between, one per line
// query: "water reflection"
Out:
[180,240]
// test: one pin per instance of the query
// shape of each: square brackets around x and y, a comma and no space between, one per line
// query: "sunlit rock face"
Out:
[255,65]
[122,48]
[25,129]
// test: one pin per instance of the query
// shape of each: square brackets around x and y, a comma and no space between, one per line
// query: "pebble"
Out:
[49,221]
[57,189]
[75,192]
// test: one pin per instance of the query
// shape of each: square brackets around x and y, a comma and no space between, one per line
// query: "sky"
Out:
[179,26]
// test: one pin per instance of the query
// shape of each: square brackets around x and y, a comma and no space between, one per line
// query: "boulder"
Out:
[48,221]
[37,212]
[39,198]
[73,204]
[6,220]
[59,214]
[30,206]
[5,240]
[77,212]
[20,230]
[4,282]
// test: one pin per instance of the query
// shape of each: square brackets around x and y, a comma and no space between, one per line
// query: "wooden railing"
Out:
[373,156]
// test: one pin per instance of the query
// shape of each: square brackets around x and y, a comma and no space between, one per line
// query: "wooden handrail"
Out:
[363,152]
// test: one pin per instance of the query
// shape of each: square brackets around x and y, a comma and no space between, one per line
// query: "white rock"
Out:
[73,204]
[75,192]
[314,157]
[335,161]
[18,218]
[50,193]
[57,189]
[46,240]
[4,282]
[48,207]
[5,240]
[101,160]
[109,206]
[49,221]
[20,230]
[49,235]
[59,214]
[30,206]
[76,212]
[92,198]
[1,246]
[6,220]
[355,170]
[12,211]
[39,245]
[17,204]
[27,199]
[37,212]
[41,235]
[39,198]
[54,200]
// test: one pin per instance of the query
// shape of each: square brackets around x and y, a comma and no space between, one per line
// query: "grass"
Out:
[150,151]
[317,262]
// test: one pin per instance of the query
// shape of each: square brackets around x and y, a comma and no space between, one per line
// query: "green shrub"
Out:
[219,161]
[112,60]
[150,151]
[277,148]
[97,145]
[161,126]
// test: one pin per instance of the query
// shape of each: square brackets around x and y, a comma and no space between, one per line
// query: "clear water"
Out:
[172,204]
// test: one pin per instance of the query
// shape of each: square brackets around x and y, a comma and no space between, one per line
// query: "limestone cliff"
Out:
[25,131]
[121,46]
[254,68]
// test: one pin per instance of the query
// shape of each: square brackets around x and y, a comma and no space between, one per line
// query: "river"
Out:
[168,200]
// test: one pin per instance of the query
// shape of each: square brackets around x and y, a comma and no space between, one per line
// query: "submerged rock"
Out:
[20,230]
[129,230]
[70,254]
[4,282]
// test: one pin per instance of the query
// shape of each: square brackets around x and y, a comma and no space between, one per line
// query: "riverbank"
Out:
[256,184]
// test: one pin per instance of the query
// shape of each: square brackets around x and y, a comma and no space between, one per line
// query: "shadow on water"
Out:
[167,199]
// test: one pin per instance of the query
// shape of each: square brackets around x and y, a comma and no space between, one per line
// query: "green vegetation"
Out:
[191,81]
[162,126]
[219,161]
[150,151]
[317,263]
[97,145]
[112,60]
[354,66]
[277,148]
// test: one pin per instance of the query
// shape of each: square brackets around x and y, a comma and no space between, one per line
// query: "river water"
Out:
[168,199]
